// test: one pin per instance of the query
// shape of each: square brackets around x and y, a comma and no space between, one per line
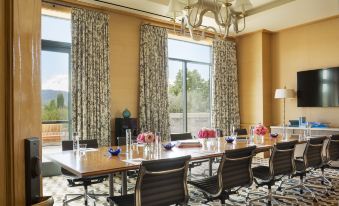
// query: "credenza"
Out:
[300,130]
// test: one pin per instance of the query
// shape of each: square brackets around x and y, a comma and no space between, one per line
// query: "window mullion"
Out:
[184,92]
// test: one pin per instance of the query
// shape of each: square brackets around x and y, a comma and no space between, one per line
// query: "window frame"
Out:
[61,47]
[185,62]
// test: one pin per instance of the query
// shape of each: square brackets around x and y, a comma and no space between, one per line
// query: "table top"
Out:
[98,162]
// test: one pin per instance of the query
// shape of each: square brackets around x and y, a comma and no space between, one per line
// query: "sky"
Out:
[54,65]
[55,71]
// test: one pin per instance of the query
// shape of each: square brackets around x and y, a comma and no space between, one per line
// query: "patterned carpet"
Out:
[57,186]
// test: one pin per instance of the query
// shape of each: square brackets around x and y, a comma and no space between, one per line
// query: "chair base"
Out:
[306,188]
[324,181]
[86,196]
[270,197]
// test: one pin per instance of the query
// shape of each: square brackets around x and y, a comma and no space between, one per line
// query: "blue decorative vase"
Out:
[126,113]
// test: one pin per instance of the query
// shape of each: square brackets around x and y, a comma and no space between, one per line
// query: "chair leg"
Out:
[65,202]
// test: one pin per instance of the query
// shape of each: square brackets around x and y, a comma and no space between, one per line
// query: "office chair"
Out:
[233,173]
[312,159]
[160,182]
[281,164]
[75,181]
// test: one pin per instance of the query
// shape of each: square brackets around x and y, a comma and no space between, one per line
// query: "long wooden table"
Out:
[98,162]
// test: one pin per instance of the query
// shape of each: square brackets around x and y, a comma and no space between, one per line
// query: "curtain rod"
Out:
[134,9]
[169,26]
[72,5]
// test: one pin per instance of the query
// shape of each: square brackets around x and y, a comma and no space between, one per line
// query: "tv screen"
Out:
[318,88]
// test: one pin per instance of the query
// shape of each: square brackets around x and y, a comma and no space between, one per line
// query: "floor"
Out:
[57,187]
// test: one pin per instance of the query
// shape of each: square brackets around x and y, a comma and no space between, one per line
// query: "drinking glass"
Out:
[82,149]
[251,135]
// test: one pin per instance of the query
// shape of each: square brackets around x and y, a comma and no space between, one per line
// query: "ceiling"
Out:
[289,14]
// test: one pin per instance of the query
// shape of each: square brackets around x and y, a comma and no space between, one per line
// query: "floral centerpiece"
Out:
[207,133]
[260,130]
[146,137]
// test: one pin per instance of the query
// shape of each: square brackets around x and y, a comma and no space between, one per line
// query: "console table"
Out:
[300,130]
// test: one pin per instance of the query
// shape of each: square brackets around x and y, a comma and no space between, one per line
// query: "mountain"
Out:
[48,95]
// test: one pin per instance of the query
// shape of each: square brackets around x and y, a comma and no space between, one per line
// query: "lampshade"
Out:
[243,5]
[284,93]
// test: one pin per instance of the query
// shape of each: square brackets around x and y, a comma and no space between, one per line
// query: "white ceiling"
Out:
[287,15]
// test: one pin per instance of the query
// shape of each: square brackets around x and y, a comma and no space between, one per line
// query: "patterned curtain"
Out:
[225,112]
[153,100]
[91,110]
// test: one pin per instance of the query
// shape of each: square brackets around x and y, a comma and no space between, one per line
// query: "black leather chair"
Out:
[281,164]
[75,181]
[181,136]
[240,131]
[160,182]
[332,154]
[187,136]
[312,159]
[233,173]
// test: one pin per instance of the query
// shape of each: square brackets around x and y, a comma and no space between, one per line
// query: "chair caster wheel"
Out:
[327,194]
[322,182]
[301,191]
[315,200]
[279,189]
[332,189]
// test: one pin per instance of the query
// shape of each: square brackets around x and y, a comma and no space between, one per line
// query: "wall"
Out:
[2,105]
[310,46]
[124,64]
[254,68]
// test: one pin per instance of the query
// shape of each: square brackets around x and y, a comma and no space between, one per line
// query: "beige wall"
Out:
[253,52]
[124,64]
[2,105]
[305,47]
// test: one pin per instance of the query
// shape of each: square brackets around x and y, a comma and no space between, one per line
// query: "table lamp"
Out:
[284,94]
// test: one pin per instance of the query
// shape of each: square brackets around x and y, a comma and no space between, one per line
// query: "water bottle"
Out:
[251,135]
[75,142]
[158,138]
[128,140]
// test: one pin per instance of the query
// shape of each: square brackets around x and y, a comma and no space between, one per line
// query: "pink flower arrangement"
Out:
[207,133]
[260,130]
[147,137]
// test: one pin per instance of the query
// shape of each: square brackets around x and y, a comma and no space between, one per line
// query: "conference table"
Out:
[98,162]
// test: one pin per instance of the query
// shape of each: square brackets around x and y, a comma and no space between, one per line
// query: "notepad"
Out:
[136,161]
[189,144]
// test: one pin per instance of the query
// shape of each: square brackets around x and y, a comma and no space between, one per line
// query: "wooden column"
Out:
[22,86]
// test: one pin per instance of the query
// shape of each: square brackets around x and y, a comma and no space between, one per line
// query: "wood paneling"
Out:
[23,100]
[2,105]
[305,47]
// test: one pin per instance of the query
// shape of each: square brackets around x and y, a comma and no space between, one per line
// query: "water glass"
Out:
[82,149]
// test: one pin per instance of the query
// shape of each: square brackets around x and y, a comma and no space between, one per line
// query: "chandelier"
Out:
[225,14]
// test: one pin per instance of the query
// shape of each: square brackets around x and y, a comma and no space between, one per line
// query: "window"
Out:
[55,80]
[189,86]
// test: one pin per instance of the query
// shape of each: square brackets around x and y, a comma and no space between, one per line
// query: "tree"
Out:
[60,101]
[198,93]
[51,111]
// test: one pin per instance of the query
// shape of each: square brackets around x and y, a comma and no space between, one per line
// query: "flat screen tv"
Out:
[318,88]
